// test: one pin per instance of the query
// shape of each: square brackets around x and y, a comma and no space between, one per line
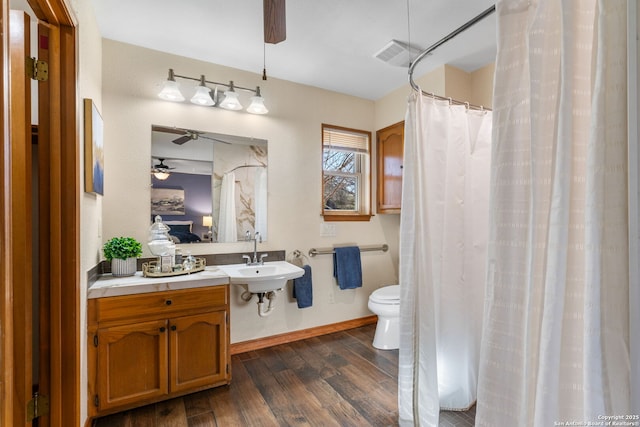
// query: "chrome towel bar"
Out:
[327,251]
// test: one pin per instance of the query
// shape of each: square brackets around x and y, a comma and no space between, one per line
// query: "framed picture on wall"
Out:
[167,201]
[93,149]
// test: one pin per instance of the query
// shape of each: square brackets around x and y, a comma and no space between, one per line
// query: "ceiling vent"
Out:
[397,53]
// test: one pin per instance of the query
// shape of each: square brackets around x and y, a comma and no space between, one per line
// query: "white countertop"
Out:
[109,286]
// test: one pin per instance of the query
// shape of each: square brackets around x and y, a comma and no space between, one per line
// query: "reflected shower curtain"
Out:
[443,234]
[555,346]
[227,223]
[260,188]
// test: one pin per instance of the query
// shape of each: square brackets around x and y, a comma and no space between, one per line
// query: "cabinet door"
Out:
[390,141]
[132,363]
[198,348]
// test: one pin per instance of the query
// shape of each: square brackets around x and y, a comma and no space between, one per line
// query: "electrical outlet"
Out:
[327,230]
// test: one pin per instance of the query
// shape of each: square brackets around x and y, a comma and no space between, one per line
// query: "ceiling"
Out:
[330,44]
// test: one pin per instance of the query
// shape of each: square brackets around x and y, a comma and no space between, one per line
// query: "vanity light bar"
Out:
[171,92]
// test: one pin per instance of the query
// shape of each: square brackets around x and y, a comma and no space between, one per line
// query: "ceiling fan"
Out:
[186,134]
[161,171]
[275,27]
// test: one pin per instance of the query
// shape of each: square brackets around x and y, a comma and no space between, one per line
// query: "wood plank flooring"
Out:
[332,380]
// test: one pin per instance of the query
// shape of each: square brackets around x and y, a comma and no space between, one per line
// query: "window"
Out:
[346,177]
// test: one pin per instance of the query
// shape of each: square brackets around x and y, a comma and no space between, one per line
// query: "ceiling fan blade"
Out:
[160,166]
[182,139]
[275,26]
[214,139]
[165,129]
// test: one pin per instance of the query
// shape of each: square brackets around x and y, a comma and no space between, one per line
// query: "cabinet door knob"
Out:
[168,302]
[173,327]
[162,329]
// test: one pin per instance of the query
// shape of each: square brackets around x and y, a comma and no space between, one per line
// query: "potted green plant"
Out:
[122,253]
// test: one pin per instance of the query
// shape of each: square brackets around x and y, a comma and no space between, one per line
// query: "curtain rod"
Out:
[457,102]
[439,43]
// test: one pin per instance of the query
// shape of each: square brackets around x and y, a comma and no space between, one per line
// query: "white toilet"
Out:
[385,302]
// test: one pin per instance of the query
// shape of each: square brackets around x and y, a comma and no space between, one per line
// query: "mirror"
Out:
[208,187]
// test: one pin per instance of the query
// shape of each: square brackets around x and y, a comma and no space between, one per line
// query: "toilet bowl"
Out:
[385,303]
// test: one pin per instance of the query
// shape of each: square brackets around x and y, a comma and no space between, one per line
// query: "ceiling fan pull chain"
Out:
[264,61]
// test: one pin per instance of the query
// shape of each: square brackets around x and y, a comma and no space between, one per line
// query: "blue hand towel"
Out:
[302,288]
[347,267]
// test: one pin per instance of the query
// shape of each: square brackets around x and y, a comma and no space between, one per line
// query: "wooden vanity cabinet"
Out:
[149,347]
[132,364]
[194,348]
[390,152]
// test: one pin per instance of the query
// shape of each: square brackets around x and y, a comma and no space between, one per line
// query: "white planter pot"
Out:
[123,267]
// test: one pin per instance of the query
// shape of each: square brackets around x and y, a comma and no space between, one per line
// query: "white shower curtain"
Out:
[555,346]
[260,186]
[443,235]
[227,223]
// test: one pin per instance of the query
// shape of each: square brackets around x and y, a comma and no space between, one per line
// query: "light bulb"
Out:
[231,101]
[171,92]
[202,96]
[161,175]
[257,106]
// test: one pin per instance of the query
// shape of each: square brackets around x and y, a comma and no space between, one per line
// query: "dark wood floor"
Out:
[332,380]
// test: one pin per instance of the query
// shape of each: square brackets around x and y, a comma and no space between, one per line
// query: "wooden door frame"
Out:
[6,297]
[60,250]
[20,209]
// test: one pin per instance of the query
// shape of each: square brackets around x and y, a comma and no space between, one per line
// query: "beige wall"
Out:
[482,86]
[457,84]
[131,79]
[392,108]
[475,87]
[89,86]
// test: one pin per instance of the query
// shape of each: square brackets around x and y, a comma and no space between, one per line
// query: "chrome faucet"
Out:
[257,237]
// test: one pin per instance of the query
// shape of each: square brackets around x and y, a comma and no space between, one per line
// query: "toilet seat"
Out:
[386,295]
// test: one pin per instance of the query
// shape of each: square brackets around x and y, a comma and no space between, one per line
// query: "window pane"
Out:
[338,161]
[340,192]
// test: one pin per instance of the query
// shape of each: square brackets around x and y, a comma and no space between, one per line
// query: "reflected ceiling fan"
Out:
[186,134]
[275,25]
[161,171]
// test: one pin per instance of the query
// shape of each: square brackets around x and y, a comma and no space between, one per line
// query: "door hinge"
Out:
[95,340]
[227,368]
[96,400]
[37,70]
[37,407]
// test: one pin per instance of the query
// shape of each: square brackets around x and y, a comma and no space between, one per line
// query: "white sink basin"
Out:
[262,278]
